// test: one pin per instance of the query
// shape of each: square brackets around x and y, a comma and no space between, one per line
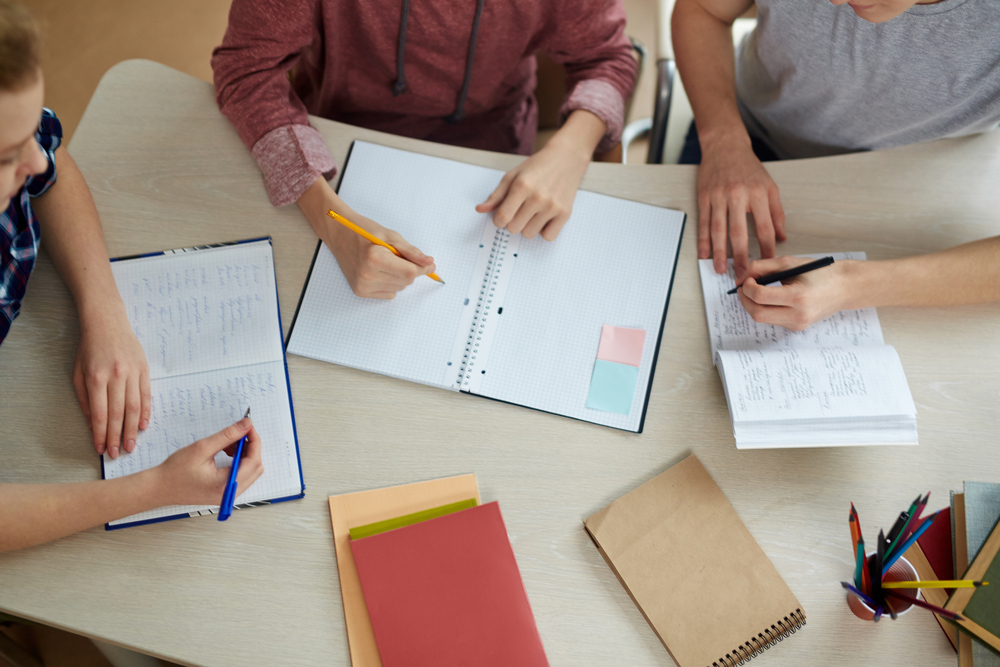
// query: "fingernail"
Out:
[144,424]
[130,445]
[244,423]
[114,452]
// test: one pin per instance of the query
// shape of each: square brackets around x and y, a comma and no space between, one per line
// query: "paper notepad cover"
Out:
[447,592]
[693,569]
[351,510]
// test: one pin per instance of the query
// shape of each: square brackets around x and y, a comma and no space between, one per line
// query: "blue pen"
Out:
[909,541]
[229,495]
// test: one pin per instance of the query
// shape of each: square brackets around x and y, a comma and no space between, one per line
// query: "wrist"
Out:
[724,138]
[579,135]
[861,281]
[156,487]
[101,309]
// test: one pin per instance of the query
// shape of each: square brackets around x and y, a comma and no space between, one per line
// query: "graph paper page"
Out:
[190,407]
[431,202]
[730,326]
[613,263]
[202,310]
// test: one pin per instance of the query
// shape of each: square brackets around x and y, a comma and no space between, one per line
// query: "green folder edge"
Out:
[410,519]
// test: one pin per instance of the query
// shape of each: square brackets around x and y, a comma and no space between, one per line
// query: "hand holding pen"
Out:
[190,477]
[807,297]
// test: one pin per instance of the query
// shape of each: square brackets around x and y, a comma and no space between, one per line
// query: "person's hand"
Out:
[536,197]
[111,378]
[189,475]
[798,302]
[731,183]
[371,270]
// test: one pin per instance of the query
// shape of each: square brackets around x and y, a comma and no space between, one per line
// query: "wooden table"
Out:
[167,170]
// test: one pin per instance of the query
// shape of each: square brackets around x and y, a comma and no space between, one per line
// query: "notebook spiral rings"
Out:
[757,645]
[484,304]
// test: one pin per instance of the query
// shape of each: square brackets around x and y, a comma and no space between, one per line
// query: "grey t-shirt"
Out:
[816,79]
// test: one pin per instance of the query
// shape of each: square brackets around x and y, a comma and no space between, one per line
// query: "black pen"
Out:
[790,273]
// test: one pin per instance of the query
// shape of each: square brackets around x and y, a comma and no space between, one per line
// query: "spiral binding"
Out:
[484,304]
[785,627]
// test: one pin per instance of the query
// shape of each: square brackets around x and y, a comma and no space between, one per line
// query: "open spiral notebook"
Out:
[208,320]
[518,320]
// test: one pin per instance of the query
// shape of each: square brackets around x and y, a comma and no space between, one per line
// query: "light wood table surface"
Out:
[167,171]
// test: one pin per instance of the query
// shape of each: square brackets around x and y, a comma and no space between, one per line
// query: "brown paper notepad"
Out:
[694,570]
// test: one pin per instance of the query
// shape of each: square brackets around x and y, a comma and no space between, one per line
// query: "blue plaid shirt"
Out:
[20,234]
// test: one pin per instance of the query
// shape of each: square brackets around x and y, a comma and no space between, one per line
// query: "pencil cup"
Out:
[901,570]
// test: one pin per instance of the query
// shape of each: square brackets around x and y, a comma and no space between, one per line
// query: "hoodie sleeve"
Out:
[264,40]
[588,38]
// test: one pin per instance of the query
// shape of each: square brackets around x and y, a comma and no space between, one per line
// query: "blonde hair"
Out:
[20,47]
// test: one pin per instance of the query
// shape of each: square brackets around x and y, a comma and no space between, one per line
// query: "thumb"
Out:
[411,253]
[214,444]
[497,195]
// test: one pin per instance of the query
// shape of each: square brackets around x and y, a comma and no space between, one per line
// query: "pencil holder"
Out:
[901,570]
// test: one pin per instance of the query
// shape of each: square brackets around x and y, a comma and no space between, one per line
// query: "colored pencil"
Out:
[861,596]
[914,536]
[925,605]
[373,239]
[859,557]
[954,583]
[911,514]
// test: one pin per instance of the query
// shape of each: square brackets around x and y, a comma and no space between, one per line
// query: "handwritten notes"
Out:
[190,316]
[208,322]
[730,327]
[835,383]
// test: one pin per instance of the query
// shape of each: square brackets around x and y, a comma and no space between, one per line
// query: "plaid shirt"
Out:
[20,234]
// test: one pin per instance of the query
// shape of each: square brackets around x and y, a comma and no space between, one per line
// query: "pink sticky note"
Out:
[621,345]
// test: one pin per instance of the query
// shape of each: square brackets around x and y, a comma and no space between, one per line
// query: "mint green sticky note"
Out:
[612,386]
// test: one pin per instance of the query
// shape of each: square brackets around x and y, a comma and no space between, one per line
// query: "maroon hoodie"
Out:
[453,71]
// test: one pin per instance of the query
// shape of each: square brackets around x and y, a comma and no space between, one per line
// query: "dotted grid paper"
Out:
[208,323]
[730,326]
[612,264]
[431,202]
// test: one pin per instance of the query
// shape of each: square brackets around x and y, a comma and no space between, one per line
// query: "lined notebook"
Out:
[447,592]
[518,320]
[701,581]
[207,319]
[835,383]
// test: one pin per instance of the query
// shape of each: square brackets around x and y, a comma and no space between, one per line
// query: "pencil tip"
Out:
[248,413]
[440,281]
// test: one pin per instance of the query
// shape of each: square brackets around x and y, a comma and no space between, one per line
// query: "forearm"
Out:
[703,45]
[35,513]
[969,273]
[72,235]
[580,134]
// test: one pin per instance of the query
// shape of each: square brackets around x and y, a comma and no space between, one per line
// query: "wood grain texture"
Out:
[168,171]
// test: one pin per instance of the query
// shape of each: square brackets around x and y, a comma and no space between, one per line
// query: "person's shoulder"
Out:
[49,125]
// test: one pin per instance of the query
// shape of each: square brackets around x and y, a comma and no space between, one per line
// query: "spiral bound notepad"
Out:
[701,581]
[517,320]
[208,320]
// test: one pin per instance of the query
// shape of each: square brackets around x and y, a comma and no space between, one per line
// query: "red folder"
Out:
[448,592]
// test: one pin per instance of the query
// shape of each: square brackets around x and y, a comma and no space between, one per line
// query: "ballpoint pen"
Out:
[229,495]
[790,273]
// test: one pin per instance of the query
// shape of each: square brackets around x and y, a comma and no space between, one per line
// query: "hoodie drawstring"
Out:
[400,85]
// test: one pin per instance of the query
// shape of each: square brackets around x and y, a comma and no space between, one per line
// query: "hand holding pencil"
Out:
[374,269]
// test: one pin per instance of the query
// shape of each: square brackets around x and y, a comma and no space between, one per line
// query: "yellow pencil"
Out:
[374,239]
[956,583]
